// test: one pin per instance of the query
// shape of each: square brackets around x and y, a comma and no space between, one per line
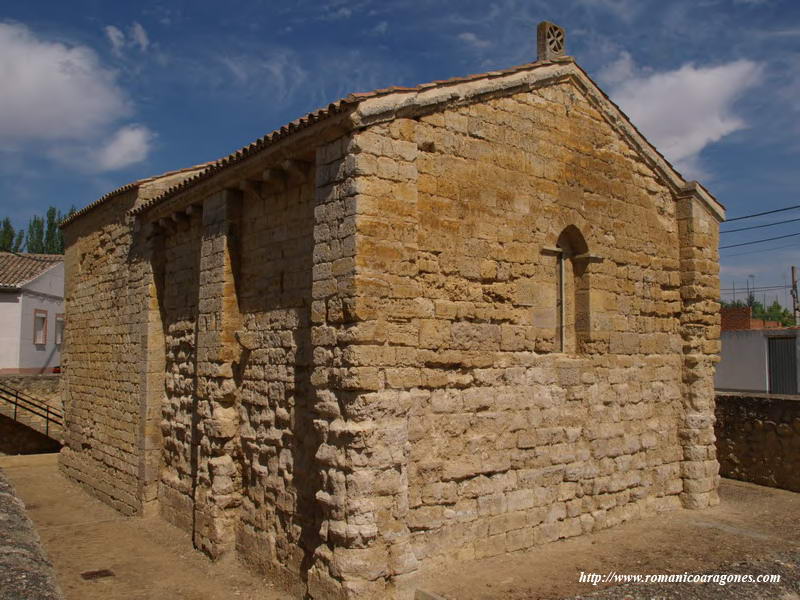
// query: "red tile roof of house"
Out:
[17,269]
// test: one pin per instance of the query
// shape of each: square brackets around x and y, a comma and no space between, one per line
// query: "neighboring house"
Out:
[419,325]
[757,355]
[31,312]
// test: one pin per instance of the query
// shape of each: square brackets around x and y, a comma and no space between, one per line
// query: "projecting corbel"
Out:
[251,186]
[275,178]
[297,170]
[167,224]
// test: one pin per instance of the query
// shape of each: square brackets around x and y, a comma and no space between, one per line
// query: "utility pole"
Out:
[795,307]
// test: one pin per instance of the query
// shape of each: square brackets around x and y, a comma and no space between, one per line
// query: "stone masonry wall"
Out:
[113,380]
[279,520]
[758,439]
[487,438]
[449,337]
[178,290]
[102,354]
[46,388]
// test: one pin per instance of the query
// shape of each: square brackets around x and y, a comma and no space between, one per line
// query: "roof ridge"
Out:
[335,107]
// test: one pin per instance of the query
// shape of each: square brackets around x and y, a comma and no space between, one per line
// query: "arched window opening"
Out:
[573,323]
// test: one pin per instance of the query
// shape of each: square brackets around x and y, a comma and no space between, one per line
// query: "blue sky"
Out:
[96,94]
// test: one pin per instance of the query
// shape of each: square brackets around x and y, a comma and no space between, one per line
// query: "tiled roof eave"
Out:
[350,103]
[365,109]
[121,190]
[17,269]
[324,118]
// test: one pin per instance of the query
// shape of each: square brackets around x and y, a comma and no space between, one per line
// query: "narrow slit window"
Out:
[573,323]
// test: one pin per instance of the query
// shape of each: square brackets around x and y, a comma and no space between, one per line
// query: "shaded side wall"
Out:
[496,441]
[177,278]
[758,439]
[10,322]
[279,522]
[102,354]
[17,438]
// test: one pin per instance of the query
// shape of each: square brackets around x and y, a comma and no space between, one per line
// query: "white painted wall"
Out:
[50,282]
[9,330]
[744,359]
[46,292]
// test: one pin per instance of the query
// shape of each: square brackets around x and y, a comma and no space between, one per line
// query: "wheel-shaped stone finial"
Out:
[550,41]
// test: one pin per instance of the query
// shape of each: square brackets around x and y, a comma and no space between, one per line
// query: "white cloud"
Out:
[59,100]
[280,72]
[129,145]
[619,71]
[473,40]
[139,37]
[117,39]
[52,91]
[380,29]
[625,10]
[683,111]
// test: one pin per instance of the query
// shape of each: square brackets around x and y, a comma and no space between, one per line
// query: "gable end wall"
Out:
[485,437]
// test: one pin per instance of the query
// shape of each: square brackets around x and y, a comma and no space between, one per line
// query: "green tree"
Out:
[34,240]
[53,242]
[775,312]
[10,240]
[42,236]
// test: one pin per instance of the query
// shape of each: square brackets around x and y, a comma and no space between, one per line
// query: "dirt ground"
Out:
[753,530]
[751,524]
[150,559]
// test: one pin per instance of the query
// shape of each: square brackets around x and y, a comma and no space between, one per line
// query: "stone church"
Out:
[417,326]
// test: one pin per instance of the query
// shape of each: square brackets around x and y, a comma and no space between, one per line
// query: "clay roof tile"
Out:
[17,269]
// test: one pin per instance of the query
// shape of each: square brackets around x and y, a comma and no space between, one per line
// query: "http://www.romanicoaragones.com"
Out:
[613,577]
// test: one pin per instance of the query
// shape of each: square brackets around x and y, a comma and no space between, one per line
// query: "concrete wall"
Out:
[744,359]
[758,439]
[10,322]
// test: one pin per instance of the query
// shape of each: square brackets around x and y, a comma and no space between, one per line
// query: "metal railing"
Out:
[39,408]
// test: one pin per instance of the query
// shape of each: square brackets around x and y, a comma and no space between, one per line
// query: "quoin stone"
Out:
[417,326]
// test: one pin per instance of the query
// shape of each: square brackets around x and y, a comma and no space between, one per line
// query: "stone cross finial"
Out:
[550,41]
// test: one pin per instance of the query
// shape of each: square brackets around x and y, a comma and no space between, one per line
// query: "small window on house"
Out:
[572,291]
[59,329]
[39,327]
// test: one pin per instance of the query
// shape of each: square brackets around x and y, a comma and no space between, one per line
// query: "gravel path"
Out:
[25,572]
